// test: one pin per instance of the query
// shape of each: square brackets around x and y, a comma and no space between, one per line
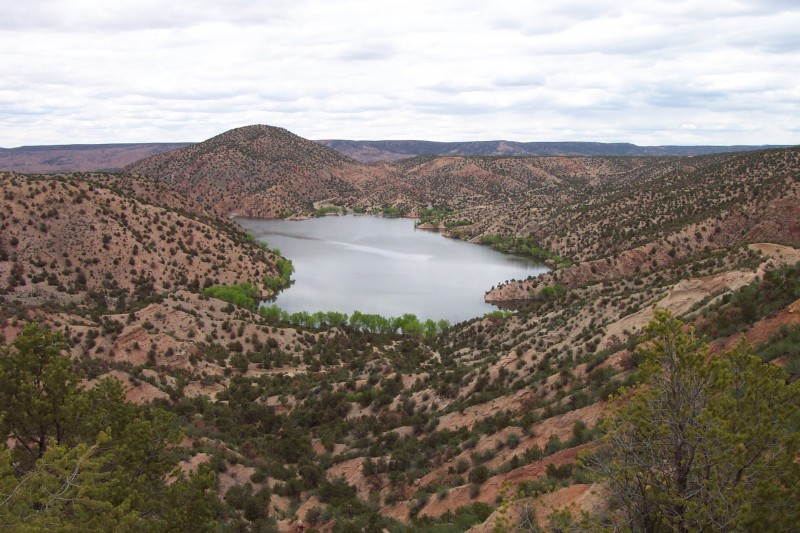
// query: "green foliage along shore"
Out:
[526,246]
[242,294]
[285,268]
[247,294]
[408,324]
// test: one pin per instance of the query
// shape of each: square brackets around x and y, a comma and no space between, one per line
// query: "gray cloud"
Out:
[367,52]
[696,71]
[520,80]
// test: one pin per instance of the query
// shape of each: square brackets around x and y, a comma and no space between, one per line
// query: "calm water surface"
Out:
[385,266]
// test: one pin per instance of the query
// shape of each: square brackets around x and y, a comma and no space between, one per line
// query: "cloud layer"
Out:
[648,72]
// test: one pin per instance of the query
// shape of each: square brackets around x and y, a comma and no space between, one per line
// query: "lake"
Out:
[385,266]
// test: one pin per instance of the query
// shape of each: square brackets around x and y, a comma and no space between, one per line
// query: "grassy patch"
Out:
[328,209]
[242,294]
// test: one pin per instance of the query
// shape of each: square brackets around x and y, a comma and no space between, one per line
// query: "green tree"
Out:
[81,489]
[39,396]
[430,328]
[76,468]
[63,490]
[707,443]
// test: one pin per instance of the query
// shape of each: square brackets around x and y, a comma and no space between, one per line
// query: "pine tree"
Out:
[38,393]
[88,460]
[706,443]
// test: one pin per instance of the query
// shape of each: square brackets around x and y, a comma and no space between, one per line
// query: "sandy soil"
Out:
[469,416]
[575,497]
[683,296]
[234,474]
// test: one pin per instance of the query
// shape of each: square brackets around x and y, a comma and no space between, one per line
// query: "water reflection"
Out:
[385,266]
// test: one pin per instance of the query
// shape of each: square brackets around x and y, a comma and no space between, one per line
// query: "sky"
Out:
[652,72]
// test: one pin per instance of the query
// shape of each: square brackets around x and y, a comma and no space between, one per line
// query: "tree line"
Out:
[407,324]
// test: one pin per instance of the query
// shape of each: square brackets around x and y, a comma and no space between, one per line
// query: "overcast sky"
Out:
[648,72]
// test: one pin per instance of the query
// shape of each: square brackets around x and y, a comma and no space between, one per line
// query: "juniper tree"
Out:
[87,460]
[705,443]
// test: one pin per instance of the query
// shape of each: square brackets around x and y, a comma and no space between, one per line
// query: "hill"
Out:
[270,172]
[316,423]
[567,203]
[78,157]
[258,171]
[95,240]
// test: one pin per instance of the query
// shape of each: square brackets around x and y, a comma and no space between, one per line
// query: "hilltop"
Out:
[257,171]
[318,424]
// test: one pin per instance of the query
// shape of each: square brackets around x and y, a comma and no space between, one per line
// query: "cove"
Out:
[385,266]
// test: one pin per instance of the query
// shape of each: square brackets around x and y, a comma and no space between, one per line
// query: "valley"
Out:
[330,427]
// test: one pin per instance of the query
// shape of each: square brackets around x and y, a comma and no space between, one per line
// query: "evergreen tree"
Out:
[706,443]
[39,395]
[88,460]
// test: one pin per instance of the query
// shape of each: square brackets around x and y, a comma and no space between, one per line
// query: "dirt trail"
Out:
[784,255]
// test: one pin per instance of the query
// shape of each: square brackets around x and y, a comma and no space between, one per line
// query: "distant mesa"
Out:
[79,157]
[372,151]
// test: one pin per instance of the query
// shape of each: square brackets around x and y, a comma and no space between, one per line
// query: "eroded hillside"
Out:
[339,428]
[93,239]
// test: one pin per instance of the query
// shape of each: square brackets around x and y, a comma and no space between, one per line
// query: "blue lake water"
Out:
[385,266]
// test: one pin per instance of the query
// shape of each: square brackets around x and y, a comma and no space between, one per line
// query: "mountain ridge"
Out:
[50,159]
[393,150]
[115,156]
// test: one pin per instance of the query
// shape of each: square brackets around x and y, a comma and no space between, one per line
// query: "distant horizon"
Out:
[408,139]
